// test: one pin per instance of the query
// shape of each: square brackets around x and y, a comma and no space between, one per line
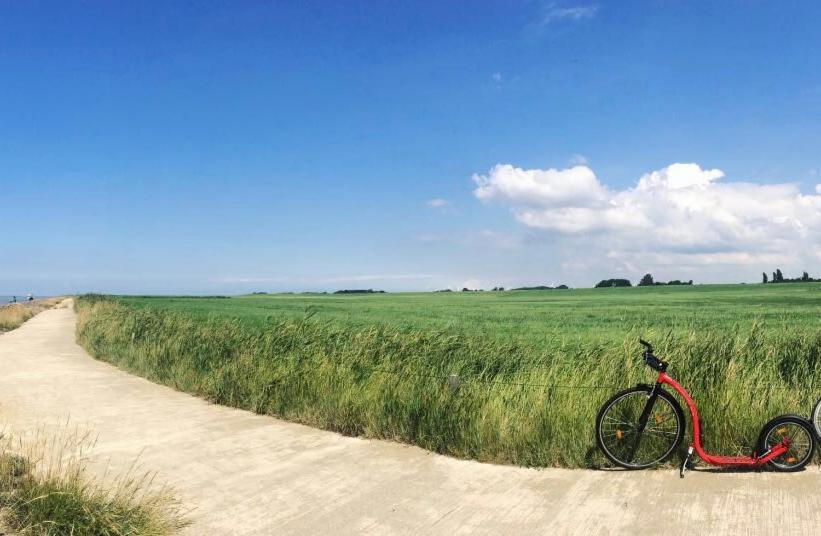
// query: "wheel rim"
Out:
[816,418]
[618,427]
[800,448]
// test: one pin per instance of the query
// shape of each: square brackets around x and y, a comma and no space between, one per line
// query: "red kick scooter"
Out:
[643,426]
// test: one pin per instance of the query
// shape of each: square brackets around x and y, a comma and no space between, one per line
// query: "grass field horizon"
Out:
[526,315]
[534,366]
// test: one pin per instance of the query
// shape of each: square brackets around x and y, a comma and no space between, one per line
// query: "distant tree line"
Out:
[543,287]
[604,283]
[502,289]
[778,277]
[359,291]
[646,281]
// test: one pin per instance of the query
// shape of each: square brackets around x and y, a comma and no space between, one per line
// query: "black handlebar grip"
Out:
[651,360]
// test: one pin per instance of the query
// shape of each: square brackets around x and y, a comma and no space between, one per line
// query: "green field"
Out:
[533,366]
[531,315]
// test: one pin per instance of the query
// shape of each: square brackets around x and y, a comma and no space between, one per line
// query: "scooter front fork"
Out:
[685,462]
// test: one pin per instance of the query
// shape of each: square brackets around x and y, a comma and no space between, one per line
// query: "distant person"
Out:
[13,299]
[30,297]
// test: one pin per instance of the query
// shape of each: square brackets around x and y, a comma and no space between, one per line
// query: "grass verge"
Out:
[45,489]
[515,403]
[12,316]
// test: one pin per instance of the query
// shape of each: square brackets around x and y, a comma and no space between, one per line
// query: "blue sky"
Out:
[224,148]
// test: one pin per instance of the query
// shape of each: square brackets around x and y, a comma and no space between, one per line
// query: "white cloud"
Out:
[679,215]
[438,202]
[555,13]
[576,186]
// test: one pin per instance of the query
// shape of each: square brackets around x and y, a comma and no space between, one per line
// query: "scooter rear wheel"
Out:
[802,442]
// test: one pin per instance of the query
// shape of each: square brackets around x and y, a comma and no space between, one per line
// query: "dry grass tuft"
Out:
[14,315]
[45,489]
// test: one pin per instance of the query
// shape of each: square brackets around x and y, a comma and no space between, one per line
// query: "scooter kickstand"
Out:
[685,462]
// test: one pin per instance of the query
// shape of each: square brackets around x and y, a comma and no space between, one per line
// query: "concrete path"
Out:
[247,474]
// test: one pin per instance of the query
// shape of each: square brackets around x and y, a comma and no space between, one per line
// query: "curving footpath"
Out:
[249,474]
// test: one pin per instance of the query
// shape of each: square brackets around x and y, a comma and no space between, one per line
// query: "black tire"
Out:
[801,434]
[816,419]
[622,410]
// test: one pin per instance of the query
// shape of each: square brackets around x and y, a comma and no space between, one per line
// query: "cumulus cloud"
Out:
[679,214]
[534,188]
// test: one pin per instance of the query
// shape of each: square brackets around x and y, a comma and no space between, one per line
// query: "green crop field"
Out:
[533,366]
[531,315]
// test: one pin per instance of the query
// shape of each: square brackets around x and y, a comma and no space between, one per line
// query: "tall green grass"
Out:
[533,317]
[516,403]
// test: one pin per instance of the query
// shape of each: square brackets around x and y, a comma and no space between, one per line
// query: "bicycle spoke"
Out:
[663,432]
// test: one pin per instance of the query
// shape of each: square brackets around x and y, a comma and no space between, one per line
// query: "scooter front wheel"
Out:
[801,438]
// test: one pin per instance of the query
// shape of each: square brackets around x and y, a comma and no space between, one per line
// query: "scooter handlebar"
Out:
[647,345]
[652,361]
